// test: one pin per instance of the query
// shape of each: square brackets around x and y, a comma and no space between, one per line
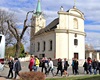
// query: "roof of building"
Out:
[92,50]
[49,27]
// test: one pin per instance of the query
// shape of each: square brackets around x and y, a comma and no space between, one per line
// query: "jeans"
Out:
[36,68]
[95,71]
[90,69]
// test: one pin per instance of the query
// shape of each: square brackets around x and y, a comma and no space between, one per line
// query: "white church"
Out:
[64,37]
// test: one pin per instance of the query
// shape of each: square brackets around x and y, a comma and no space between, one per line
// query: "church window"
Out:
[44,45]
[75,23]
[50,45]
[34,48]
[75,42]
[38,49]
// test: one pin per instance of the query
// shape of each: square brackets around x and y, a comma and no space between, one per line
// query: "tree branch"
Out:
[25,26]
[11,29]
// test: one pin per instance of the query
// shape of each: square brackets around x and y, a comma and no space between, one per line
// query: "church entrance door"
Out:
[76,55]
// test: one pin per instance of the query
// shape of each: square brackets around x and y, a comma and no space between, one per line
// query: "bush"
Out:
[32,76]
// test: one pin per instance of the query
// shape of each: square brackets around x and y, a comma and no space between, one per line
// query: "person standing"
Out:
[73,68]
[10,63]
[31,63]
[17,67]
[76,66]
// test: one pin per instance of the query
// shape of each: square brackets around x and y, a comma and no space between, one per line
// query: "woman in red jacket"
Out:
[32,61]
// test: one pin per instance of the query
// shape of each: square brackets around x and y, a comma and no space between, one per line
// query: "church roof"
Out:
[75,9]
[49,27]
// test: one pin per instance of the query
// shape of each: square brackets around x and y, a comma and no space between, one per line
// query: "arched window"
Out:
[75,21]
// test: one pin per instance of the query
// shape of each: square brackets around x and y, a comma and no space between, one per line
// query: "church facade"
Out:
[64,37]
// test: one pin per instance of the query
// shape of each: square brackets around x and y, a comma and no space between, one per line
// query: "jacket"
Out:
[37,62]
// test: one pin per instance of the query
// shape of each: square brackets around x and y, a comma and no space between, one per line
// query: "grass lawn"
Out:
[90,77]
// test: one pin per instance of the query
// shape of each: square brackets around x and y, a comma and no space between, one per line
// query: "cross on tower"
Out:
[74,2]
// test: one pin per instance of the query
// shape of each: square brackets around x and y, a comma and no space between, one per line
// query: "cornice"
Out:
[70,31]
[71,14]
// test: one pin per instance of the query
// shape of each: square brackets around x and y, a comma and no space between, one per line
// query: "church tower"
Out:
[38,22]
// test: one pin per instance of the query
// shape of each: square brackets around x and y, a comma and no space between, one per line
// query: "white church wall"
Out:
[61,45]
[46,38]
[80,48]
[80,24]
[62,21]
[66,21]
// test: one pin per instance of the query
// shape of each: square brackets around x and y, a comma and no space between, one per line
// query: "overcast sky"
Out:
[90,8]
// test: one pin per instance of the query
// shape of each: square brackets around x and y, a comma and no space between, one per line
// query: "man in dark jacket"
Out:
[99,67]
[85,65]
[76,66]
[10,63]
[17,67]
[95,65]
[59,66]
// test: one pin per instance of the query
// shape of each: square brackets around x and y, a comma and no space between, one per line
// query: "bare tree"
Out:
[4,15]
[89,48]
[18,36]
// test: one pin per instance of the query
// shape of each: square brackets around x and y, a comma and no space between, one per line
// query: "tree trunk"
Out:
[18,48]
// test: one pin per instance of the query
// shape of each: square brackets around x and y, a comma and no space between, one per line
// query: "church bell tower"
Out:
[38,22]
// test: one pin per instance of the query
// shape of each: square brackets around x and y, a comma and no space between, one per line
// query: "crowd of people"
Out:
[91,66]
[47,66]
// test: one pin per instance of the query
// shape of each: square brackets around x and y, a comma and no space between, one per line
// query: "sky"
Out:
[90,8]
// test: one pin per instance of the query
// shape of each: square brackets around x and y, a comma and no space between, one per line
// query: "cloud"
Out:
[90,8]
[93,39]
[92,27]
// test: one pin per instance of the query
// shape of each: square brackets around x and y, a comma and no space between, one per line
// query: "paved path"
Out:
[25,69]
